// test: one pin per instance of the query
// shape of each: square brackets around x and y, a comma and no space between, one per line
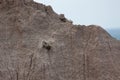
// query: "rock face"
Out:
[38,44]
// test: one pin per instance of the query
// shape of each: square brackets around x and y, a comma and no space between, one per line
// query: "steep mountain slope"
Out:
[115,33]
[38,44]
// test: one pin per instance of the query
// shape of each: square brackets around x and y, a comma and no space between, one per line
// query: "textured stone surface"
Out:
[38,44]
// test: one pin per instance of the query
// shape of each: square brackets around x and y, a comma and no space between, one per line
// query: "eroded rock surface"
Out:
[38,44]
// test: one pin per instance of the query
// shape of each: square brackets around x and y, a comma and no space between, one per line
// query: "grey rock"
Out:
[36,45]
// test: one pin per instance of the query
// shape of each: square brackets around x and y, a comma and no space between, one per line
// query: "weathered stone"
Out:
[36,45]
[62,18]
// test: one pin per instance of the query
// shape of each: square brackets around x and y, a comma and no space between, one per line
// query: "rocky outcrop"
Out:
[38,44]
[13,3]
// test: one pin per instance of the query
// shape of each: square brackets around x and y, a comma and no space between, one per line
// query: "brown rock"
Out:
[36,45]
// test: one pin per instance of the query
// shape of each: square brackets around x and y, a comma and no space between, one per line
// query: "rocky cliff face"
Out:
[38,44]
